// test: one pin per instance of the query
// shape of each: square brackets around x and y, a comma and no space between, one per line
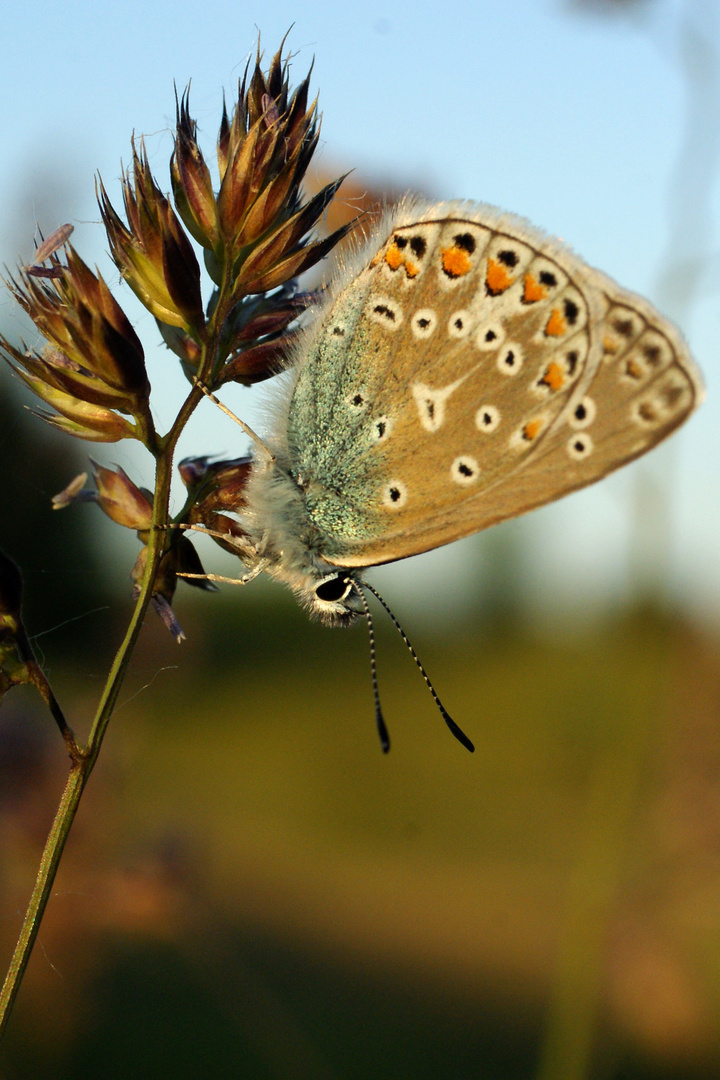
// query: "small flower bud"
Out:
[182,558]
[266,316]
[166,613]
[193,470]
[260,362]
[274,268]
[220,483]
[153,252]
[79,418]
[121,499]
[74,492]
[252,341]
[96,363]
[221,487]
[191,181]
[94,425]
[264,151]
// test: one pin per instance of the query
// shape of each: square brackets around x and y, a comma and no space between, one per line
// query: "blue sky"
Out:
[600,129]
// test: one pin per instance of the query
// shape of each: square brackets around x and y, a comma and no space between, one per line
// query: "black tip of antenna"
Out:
[382,730]
[457,731]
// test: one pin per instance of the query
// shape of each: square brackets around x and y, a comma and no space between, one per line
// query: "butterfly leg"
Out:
[247,552]
[250,576]
[263,450]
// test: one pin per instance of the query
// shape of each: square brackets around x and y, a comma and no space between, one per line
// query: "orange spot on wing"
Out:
[411,269]
[533,290]
[497,278]
[456,261]
[556,325]
[634,370]
[393,257]
[610,345]
[532,429]
[554,376]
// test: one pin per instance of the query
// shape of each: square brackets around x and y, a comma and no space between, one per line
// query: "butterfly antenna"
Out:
[457,731]
[379,719]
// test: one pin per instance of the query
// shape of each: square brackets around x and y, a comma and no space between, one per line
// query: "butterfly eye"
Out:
[333,589]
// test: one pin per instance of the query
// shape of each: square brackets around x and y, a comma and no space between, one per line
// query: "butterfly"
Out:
[467,369]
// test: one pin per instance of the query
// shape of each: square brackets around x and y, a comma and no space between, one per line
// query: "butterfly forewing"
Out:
[472,371]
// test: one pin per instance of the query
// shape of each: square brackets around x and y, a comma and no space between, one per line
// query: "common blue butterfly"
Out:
[467,369]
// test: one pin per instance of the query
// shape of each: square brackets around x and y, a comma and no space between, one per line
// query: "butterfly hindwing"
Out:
[645,386]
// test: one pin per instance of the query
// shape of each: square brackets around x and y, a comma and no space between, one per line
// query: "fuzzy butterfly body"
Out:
[467,370]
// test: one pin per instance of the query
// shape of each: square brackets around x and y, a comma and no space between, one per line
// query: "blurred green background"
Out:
[251,888]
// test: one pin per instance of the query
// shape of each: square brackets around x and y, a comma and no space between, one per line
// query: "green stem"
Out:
[43,884]
[81,769]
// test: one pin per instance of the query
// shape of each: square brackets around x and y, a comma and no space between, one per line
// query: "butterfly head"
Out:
[333,599]
[329,595]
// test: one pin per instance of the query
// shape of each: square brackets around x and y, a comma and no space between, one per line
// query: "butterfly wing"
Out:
[645,387]
[473,370]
